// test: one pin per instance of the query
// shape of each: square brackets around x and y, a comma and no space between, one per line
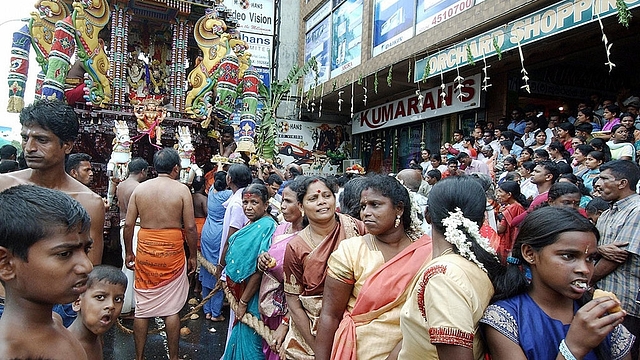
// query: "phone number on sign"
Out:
[450,12]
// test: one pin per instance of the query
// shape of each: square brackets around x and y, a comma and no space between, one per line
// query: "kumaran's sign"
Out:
[411,108]
[549,21]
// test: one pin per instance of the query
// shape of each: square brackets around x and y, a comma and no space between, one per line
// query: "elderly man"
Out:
[161,287]
[619,244]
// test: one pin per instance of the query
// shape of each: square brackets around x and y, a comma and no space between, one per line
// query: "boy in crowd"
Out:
[44,241]
[98,308]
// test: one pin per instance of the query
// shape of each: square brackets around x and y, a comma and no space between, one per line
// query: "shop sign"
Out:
[408,109]
[552,20]
[346,40]
[255,16]
[265,75]
[260,47]
[393,22]
[318,43]
[431,13]
[318,148]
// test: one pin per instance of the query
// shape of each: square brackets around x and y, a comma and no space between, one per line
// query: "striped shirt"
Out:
[621,223]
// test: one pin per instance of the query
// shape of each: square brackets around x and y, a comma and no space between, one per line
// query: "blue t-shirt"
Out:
[522,321]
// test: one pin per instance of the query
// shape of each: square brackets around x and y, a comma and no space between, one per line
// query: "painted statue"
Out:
[117,167]
[216,77]
[149,115]
[39,33]
[78,34]
[185,151]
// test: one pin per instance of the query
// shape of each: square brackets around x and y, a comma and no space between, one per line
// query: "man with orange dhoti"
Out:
[161,286]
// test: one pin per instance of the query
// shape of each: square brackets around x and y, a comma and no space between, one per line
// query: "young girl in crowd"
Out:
[525,155]
[527,188]
[558,153]
[585,197]
[555,301]
[513,203]
[593,161]
[564,194]
[595,208]
[579,156]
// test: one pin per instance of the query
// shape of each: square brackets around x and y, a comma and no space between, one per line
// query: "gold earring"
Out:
[397,222]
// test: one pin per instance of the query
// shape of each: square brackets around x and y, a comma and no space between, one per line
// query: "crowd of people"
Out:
[491,247]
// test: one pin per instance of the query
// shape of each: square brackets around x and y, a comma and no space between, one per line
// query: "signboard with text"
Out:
[318,148]
[412,108]
[393,22]
[254,16]
[551,20]
[431,13]
[260,47]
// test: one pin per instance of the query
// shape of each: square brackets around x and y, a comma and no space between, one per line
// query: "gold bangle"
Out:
[243,302]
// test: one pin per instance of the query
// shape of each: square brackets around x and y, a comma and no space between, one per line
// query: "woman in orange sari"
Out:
[305,262]
[370,276]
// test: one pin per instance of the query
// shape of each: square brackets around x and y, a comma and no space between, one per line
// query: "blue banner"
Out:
[317,43]
[393,22]
[346,42]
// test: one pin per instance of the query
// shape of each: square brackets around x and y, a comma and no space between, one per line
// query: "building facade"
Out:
[406,73]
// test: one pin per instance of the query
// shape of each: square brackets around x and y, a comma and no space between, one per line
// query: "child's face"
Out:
[57,268]
[100,306]
[565,267]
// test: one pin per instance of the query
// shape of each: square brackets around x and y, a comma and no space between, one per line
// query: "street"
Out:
[201,343]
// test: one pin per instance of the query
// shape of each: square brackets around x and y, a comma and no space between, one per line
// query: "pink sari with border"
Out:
[394,276]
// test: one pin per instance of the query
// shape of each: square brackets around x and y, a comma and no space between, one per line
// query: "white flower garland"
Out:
[457,237]
[413,230]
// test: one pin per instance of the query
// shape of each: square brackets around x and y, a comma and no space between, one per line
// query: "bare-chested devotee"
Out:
[163,205]
[138,168]
[49,129]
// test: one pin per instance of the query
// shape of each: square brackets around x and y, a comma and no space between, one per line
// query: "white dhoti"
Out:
[129,297]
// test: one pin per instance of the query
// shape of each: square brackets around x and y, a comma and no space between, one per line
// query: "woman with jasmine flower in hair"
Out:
[550,314]
[440,317]
[370,276]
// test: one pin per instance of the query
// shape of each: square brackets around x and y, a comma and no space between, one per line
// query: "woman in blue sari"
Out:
[243,278]
[210,244]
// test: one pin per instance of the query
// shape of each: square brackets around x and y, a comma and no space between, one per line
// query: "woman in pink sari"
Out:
[273,305]
[370,276]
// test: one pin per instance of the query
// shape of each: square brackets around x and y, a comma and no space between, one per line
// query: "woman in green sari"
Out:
[243,278]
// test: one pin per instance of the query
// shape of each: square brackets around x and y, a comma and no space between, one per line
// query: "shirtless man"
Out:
[161,286]
[138,168]
[227,143]
[49,129]
[78,165]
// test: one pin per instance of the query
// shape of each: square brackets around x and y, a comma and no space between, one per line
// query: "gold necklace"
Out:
[309,234]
